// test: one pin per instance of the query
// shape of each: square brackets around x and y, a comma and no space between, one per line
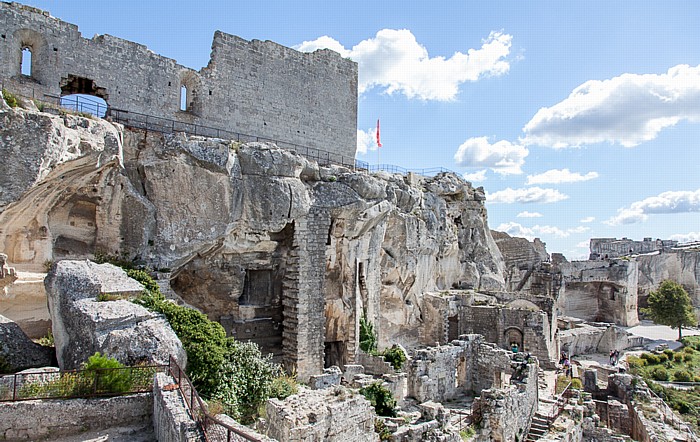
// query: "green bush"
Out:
[683,376]
[381,399]
[395,356]
[108,374]
[669,353]
[10,98]
[651,359]
[635,364]
[283,387]
[659,374]
[661,357]
[381,429]
[368,336]
[678,357]
[689,350]
[687,357]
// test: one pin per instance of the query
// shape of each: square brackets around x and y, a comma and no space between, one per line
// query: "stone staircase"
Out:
[538,428]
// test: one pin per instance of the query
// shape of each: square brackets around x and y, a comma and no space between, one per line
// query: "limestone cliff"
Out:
[682,266]
[279,250]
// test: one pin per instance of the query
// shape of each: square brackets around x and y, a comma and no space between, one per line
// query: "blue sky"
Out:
[580,119]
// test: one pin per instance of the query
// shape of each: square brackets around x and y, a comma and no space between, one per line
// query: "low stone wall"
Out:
[506,413]
[171,420]
[48,420]
[332,415]
[374,365]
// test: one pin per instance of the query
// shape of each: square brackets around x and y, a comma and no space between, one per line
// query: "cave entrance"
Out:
[81,94]
[335,353]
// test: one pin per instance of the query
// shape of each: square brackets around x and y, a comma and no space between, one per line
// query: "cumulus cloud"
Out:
[558,176]
[526,195]
[503,157]
[686,237]
[627,110]
[476,176]
[395,62]
[527,214]
[537,231]
[583,245]
[366,140]
[588,219]
[667,202]
[516,229]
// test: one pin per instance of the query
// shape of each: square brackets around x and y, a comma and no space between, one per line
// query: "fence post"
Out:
[14,388]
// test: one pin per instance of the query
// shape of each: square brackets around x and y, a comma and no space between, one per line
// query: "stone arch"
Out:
[192,85]
[513,335]
[75,91]
[36,44]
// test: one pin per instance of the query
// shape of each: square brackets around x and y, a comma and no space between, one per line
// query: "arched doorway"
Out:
[513,335]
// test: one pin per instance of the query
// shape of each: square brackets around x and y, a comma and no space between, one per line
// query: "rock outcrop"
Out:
[82,325]
[279,250]
[18,352]
[681,266]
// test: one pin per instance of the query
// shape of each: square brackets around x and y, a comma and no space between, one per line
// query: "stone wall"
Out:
[172,421]
[604,291]
[331,415]
[254,87]
[465,366]
[681,266]
[506,413]
[578,337]
[48,420]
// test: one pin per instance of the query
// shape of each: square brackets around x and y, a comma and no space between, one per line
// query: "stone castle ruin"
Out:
[259,88]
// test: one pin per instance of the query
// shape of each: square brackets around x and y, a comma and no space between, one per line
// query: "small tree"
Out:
[670,305]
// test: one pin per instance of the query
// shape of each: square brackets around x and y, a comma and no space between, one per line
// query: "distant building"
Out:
[609,248]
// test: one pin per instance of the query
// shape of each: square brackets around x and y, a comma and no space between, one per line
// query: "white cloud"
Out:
[686,237]
[667,202]
[537,231]
[526,195]
[366,140]
[627,110]
[527,214]
[476,176]
[583,245]
[588,219]
[557,176]
[503,157]
[579,229]
[395,62]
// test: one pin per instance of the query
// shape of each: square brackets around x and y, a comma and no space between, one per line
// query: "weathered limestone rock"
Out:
[119,329]
[331,415]
[18,352]
[25,303]
[279,250]
[681,266]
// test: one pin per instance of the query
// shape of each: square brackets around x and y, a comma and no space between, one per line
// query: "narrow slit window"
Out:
[183,98]
[26,64]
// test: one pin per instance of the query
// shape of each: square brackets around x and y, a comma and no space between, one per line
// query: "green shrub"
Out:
[683,376]
[467,433]
[687,357]
[109,373]
[651,359]
[381,429]
[10,98]
[576,384]
[635,364]
[661,357]
[689,350]
[48,340]
[659,374]
[678,357]
[368,336]
[669,353]
[395,356]
[381,399]
[283,387]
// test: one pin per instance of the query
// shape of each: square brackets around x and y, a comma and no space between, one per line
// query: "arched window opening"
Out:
[183,98]
[26,63]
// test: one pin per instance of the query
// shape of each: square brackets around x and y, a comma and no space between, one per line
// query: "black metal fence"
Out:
[78,383]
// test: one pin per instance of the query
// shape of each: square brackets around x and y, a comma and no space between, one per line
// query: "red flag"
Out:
[379,143]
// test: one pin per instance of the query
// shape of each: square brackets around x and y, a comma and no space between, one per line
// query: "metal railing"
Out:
[561,400]
[103,382]
[398,169]
[214,429]
[677,423]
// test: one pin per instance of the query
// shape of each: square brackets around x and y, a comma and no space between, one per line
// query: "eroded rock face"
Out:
[120,329]
[276,248]
[18,352]
[682,266]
